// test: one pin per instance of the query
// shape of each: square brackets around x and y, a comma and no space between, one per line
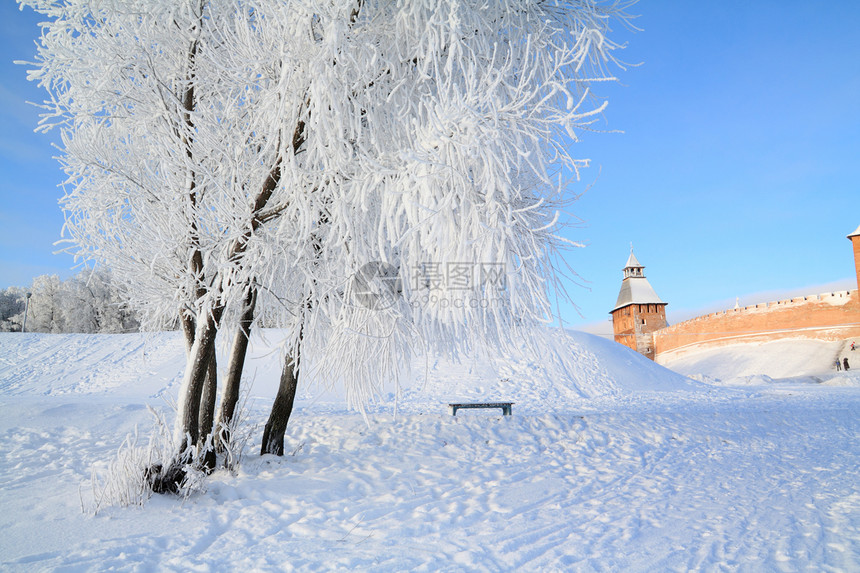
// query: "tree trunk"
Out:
[188,327]
[200,360]
[206,410]
[206,414]
[233,378]
[276,427]
[187,431]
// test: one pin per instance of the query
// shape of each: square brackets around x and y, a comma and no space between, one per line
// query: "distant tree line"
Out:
[88,302]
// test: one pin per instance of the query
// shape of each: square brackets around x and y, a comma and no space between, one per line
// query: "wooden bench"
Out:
[505,406]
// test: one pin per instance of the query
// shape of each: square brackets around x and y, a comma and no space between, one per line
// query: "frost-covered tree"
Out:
[345,164]
[46,306]
[91,303]
[12,304]
[169,155]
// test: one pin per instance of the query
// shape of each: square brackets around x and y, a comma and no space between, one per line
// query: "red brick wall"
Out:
[830,316]
[856,242]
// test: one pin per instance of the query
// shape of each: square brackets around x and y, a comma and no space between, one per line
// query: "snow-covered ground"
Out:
[789,360]
[609,463]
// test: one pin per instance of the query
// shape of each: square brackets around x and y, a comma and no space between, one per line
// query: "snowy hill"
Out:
[609,463]
[573,367]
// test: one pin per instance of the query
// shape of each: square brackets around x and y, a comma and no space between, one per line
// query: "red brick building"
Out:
[638,312]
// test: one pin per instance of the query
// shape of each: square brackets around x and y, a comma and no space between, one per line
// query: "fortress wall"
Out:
[855,244]
[829,316]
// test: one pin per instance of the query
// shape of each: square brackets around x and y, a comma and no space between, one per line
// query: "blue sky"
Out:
[30,220]
[737,175]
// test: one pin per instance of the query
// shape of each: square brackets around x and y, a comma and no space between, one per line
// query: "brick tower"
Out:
[855,239]
[639,311]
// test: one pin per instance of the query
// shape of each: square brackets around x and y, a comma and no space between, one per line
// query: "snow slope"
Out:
[573,368]
[609,463]
[790,360]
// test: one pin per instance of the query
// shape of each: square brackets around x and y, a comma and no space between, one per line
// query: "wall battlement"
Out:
[839,297]
[826,316]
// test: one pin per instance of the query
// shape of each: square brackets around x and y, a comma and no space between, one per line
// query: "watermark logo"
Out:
[459,277]
[378,285]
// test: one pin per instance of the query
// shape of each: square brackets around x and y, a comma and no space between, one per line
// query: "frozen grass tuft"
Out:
[234,437]
[127,481]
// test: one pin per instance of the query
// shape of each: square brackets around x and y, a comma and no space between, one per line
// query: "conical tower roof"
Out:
[855,233]
[633,262]
[635,288]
